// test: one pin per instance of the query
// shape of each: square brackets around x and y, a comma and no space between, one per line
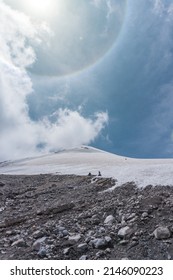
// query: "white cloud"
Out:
[162,7]
[20,136]
[71,129]
[15,29]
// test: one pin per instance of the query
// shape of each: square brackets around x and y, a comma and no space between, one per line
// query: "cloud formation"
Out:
[21,136]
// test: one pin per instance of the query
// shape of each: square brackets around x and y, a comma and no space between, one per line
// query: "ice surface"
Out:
[81,161]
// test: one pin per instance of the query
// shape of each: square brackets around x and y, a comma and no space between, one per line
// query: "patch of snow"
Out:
[81,161]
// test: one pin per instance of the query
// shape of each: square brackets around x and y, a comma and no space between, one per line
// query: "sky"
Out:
[86,72]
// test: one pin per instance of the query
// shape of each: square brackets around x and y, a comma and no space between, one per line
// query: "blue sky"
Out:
[119,100]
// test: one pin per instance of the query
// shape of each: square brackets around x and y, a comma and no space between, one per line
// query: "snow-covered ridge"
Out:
[81,161]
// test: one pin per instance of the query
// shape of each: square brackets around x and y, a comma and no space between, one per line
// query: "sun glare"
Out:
[40,7]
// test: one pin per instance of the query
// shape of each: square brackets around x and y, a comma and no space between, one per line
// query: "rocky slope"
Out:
[75,217]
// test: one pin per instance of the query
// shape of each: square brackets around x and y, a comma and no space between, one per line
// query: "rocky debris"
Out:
[75,217]
[56,209]
[8,222]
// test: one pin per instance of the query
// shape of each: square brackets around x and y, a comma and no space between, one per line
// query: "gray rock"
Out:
[42,253]
[162,233]
[144,215]
[54,209]
[108,250]
[75,238]
[9,232]
[60,228]
[95,216]
[83,257]
[38,234]
[171,229]
[134,243]
[90,233]
[87,239]
[100,254]
[108,239]
[134,238]
[100,243]
[125,232]
[123,223]
[82,247]
[130,217]
[2,209]
[101,230]
[109,220]
[95,220]
[65,232]
[66,251]
[38,243]
[124,242]
[19,243]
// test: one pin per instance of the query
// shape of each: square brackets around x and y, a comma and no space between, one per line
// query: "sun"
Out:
[39,7]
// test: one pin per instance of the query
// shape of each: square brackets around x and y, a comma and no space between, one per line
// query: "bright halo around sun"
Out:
[79,32]
[39,7]
[36,9]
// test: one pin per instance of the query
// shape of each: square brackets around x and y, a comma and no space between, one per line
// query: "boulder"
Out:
[162,233]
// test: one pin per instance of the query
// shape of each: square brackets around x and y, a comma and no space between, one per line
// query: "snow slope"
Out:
[81,161]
